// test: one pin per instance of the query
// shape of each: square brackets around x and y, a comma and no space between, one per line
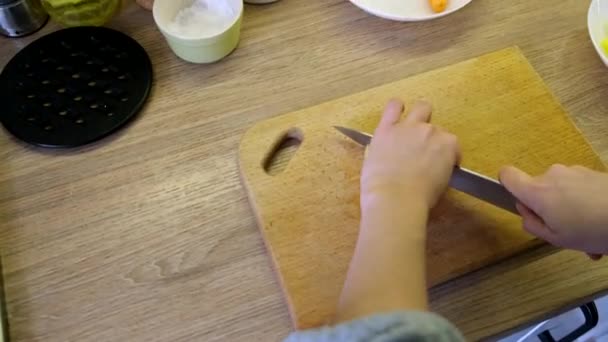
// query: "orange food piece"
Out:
[438,6]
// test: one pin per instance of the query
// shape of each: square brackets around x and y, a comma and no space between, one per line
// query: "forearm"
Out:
[387,272]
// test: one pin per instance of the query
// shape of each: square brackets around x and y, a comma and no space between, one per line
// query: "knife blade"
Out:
[467,181]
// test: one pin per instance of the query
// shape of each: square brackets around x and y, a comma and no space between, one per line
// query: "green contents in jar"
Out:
[604,42]
[81,12]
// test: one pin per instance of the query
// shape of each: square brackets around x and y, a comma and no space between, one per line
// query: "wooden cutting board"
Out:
[309,213]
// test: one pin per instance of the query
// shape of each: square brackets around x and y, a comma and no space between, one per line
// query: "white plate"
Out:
[407,10]
[597,21]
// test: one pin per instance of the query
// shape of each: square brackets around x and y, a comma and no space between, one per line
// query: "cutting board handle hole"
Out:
[283,151]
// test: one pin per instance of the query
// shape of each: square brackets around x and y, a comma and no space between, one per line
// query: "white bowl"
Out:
[407,10]
[206,49]
[597,20]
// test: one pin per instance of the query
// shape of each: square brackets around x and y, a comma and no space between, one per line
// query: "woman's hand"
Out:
[566,206]
[407,169]
[408,159]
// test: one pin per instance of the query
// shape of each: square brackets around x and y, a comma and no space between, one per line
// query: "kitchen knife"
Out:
[467,181]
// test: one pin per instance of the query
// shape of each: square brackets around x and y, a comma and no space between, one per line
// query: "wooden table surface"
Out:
[148,235]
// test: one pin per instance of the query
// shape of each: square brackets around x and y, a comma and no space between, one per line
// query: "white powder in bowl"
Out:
[204,18]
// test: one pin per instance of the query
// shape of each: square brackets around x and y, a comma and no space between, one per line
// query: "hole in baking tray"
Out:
[116,92]
[283,151]
[103,83]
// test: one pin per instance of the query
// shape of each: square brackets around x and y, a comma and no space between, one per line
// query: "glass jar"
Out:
[81,12]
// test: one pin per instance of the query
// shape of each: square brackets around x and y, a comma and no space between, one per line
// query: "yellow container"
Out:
[81,12]
[200,49]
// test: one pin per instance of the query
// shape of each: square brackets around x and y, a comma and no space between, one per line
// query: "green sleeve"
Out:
[393,327]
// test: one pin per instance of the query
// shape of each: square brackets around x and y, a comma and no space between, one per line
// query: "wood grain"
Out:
[309,214]
[148,236]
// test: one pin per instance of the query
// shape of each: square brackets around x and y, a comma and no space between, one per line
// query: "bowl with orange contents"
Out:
[410,10]
[597,21]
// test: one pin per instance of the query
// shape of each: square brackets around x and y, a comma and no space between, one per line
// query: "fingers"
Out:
[457,149]
[421,112]
[521,185]
[535,225]
[451,141]
[458,152]
[392,113]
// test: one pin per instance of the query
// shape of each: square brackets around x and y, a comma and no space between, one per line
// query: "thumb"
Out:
[535,225]
[521,185]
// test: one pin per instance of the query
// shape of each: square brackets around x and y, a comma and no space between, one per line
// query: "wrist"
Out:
[401,220]
[395,202]
[400,194]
